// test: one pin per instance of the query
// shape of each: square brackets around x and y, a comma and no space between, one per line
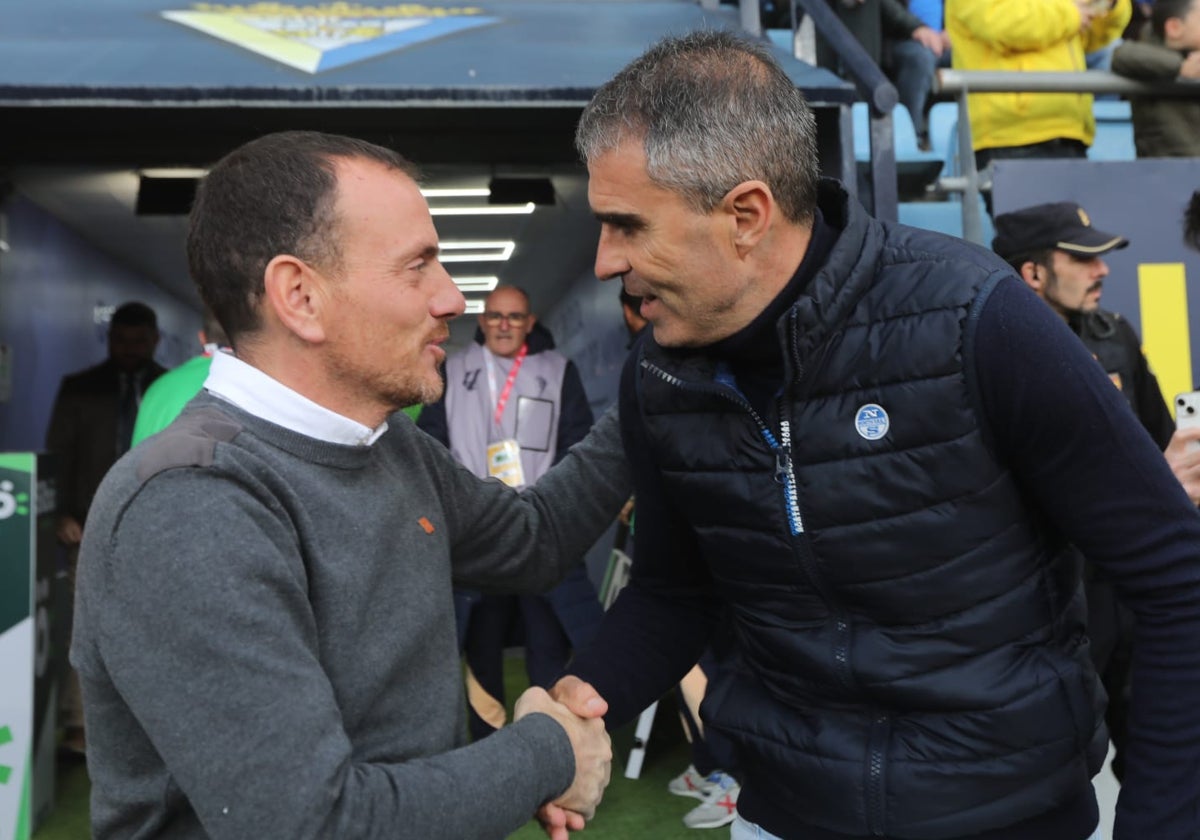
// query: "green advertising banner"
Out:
[28,684]
[16,535]
[16,643]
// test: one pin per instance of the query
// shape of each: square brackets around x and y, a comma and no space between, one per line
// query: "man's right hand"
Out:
[579,697]
[1184,461]
[590,742]
[69,531]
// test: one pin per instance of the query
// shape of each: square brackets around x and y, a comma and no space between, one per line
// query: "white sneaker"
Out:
[690,783]
[719,806]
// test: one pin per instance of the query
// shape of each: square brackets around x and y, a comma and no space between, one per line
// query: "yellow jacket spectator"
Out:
[1031,35]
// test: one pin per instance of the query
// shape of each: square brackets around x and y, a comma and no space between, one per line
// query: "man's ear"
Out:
[752,208]
[1172,30]
[296,294]
[1033,275]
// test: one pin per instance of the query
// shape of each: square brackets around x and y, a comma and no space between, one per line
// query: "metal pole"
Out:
[849,168]
[751,17]
[972,219]
[885,197]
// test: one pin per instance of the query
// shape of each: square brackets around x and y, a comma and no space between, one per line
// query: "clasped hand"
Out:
[577,707]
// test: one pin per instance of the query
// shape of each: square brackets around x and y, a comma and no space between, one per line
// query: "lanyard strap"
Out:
[506,392]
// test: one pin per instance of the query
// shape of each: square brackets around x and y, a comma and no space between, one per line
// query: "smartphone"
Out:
[1187,414]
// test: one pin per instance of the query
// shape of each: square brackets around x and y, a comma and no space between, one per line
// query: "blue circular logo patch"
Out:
[871,421]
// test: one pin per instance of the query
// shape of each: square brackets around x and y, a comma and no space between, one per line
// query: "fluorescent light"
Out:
[476,284]
[484,250]
[486,210]
[472,192]
[474,307]
[173,172]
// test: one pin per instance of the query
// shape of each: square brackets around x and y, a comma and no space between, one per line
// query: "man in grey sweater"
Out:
[264,622]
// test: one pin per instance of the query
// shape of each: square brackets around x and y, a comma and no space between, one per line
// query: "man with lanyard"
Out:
[512,408]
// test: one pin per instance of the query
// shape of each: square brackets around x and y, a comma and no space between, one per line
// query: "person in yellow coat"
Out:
[1031,35]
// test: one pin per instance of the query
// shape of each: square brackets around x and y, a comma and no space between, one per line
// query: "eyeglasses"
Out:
[493,319]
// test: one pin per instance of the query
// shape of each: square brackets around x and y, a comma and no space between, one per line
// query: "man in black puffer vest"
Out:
[874,447]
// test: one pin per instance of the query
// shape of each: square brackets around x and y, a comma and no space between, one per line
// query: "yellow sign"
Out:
[1166,341]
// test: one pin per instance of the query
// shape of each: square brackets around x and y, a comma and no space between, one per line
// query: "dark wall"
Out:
[56,294]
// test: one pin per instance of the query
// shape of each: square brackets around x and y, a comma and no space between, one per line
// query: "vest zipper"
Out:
[784,474]
[876,759]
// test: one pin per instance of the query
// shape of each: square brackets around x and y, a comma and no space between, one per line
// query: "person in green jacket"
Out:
[163,400]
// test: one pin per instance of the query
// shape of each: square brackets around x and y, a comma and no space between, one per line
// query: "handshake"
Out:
[579,710]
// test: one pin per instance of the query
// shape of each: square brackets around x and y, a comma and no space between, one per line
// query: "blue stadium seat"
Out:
[942,216]
[902,130]
[943,128]
[1114,131]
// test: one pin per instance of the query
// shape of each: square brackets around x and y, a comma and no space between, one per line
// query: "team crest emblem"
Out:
[1083,217]
[314,38]
[871,421]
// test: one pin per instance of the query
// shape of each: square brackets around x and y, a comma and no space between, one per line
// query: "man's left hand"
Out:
[927,37]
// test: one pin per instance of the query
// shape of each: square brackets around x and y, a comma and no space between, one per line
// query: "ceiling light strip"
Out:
[472,192]
[491,250]
[476,284]
[491,210]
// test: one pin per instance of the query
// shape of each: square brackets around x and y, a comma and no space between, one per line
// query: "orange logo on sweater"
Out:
[426,524]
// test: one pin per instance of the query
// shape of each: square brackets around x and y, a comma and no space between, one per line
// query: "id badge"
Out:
[504,462]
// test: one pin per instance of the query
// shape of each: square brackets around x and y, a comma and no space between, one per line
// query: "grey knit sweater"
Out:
[265,632]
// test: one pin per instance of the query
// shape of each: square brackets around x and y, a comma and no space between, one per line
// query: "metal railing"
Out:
[874,87]
[962,82]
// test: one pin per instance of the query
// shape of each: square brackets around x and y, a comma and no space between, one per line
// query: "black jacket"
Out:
[910,651]
[1115,345]
[83,431]
[898,674]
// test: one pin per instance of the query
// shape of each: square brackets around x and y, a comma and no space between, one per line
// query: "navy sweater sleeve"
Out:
[1089,465]
[662,620]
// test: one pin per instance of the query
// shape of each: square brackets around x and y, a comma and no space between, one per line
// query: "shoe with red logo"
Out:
[719,806]
[690,783]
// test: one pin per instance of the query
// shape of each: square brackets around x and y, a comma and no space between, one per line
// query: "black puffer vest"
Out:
[911,650]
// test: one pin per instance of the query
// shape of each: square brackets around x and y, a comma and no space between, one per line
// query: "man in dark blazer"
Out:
[90,427]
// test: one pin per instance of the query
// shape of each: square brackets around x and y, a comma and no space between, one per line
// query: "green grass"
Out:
[632,808]
[69,819]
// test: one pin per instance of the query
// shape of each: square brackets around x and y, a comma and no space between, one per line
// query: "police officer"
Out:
[1060,255]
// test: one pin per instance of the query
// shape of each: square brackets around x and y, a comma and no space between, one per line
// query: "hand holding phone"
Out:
[1187,414]
[1183,452]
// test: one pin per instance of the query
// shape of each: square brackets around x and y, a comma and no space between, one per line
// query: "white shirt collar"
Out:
[255,392]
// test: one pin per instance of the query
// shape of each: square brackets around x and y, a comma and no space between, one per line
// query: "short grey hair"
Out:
[712,110]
